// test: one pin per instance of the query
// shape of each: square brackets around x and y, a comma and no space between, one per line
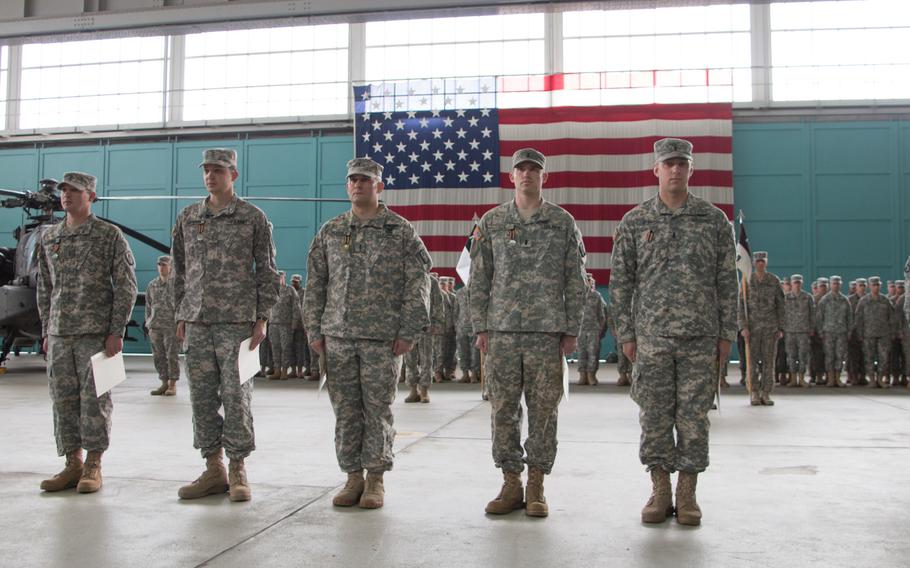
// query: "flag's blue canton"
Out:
[430,149]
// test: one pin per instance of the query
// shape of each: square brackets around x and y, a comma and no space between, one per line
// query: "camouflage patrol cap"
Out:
[164,259]
[861,281]
[890,282]
[364,167]
[667,148]
[78,180]
[760,255]
[224,157]
[529,155]
[796,278]
[823,280]
[852,283]
[296,277]
[899,283]
[785,280]
[875,280]
[838,279]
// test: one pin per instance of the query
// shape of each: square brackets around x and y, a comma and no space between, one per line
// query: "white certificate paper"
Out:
[322,374]
[107,371]
[247,361]
[565,378]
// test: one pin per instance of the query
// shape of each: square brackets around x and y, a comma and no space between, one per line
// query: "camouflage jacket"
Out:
[875,317]
[298,312]
[283,312]
[159,304]
[367,279]
[674,272]
[900,314]
[86,279]
[594,320]
[463,311]
[853,299]
[834,314]
[799,312]
[764,307]
[527,275]
[449,311]
[437,307]
[224,264]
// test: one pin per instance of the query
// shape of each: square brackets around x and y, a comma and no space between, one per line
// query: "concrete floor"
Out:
[820,479]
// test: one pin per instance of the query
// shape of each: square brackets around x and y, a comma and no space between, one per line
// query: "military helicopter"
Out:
[20,324]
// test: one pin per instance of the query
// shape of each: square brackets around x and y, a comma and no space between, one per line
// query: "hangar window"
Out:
[840,50]
[658,55]
[261,73]
[112,82]
[473,46]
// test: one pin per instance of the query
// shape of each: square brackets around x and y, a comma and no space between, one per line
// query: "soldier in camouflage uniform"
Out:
[875,328]
[856,367]
[159,320]
[623,365]
[449,342]
[367,302]
[281,320]
[780,368]
[300,349]
[225,284]
[593,327]
[418,362]
[896,364]
[86,292]
[527,301]
[673,294]
[468,354]
[834,321]
[799,324]
[816,347]
[761,322]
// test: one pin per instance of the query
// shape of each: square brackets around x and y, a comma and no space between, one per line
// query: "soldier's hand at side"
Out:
[400,347]
[44,346]
[318,345]
[745,334]
[113,345]
[258,334]
[481,342]
[779,334]
[568,344]
[723,350]
[630,349]
[181,330]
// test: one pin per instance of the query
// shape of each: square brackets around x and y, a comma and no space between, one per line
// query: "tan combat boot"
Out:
[830,377]
[791,380]
[687,509]
[414,396]
[422,391]
[214,479]
[592,379]
[511,496]
[871,381]
[582,378]
[883,381]
[802,381]
[292,374]
[437,377]
[68,477]
[536,505]
[171,388]
[765,398]
[837,381]
[160,390]
[373,491]
[660,506]
[239,489]
[754,398]
[274,375]
[91,473]
[623,380]
[351,492]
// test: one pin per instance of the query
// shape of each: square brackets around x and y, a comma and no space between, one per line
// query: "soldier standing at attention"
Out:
[159,319]
[225,284]
[900,347]
[86,291]
[418,362]
[300,349]
[855,364]
[799,324]
[468,354]
[527,301]
[761,321]
[367,301]
[676,334]
[875,327]
[280,333]
[816,348]
[450,346]
[593,327]
[835,320]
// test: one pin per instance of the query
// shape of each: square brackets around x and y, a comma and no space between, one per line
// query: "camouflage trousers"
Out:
[282,339]
[897,363]
[835,351]
[673,384]
[265,353]
[904,339]
[623,365]
[763,355]
[165,352]
[529,363]
[781,365]
[418,361]
[362,379]
[588,352]
[214,380]
[300,350]
[438,352]
[817,355]
[798,351]
[876,350]
[855,363]
[468,354]
[449,350]
[81,418]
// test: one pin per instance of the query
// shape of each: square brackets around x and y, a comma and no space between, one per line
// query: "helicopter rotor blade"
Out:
[140,237]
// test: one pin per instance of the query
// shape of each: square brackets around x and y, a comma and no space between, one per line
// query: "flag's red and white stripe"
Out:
[600,162]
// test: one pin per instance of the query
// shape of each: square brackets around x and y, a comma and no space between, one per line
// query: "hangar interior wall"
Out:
[821,197]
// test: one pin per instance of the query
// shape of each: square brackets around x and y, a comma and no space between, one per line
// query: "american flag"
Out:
[448,157]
